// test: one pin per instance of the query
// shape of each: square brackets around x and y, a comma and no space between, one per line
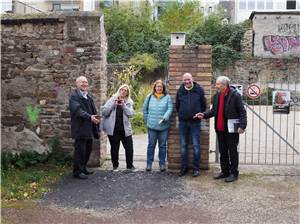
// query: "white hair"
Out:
[80,78]
[224,80]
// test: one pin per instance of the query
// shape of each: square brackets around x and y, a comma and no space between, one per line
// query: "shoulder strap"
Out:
[149,98]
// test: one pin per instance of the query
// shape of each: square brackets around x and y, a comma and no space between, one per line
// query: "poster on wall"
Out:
[281,101]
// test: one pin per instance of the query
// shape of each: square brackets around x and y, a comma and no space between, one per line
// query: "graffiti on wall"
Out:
[33,113]
[289,28]
[279,44]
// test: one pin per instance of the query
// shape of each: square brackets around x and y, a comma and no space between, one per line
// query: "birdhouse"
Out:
[178,39]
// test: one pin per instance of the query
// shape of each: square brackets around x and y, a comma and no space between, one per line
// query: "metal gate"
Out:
[273,131]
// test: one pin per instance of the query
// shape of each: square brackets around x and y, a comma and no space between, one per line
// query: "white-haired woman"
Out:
[116,112]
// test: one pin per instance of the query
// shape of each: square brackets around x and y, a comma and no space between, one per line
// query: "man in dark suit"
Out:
[84,126]
[229,111]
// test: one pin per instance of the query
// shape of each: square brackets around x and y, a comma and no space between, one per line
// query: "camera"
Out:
[119,101]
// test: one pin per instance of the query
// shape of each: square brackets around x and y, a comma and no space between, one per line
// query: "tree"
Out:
[133,36]
[180,17]
[131,32]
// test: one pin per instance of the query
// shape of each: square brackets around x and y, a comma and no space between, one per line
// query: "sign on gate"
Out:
[281,101]
[239,88]
[253,91]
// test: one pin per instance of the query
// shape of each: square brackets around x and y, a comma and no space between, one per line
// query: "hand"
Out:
[94,119]
[119,101]
[199,115]
[161,121]
[241,131]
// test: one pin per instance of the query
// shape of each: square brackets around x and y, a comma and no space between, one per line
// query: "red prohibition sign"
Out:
[253,91]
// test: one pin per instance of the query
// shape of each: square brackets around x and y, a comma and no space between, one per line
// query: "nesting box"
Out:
[178,38]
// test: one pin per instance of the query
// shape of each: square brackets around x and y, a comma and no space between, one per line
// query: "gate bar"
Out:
[269,126]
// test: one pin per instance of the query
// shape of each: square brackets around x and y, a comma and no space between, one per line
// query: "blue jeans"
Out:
[187,128]
[153,137]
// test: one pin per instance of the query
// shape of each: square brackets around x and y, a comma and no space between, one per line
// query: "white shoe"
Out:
[115,169]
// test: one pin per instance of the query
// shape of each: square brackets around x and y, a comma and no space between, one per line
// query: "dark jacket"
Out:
[190,102]
[81,110]
[233,108]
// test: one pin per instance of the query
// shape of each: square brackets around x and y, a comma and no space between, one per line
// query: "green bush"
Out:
[22,160]
[138,125]
[58,155]
[141,96]
[29,158]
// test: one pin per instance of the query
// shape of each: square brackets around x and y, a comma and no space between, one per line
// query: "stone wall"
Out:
[256,70]
[247,43]
[196,61]
[42,56]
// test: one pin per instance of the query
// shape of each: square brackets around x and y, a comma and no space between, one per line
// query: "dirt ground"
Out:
[261,195]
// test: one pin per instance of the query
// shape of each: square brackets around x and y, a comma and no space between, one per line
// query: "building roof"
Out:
[295,12]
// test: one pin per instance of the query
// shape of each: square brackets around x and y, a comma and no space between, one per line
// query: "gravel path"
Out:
[261,195]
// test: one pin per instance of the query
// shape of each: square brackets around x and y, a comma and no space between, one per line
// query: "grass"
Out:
[31,182]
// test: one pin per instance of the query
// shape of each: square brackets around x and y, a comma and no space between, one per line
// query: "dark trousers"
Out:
[82,152]
[229,157]
[119,136]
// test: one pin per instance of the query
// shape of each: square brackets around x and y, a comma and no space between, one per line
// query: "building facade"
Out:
[38,6]
[243,8]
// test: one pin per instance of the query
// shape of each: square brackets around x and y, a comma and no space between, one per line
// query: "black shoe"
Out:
[115,169]
[196,173]
[162,168]
[132,169]
[81,176]
[221,176]
[183,172]
[231,178]
[86,172]
[148,168]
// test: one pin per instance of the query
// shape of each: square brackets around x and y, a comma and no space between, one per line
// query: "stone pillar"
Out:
[197,61]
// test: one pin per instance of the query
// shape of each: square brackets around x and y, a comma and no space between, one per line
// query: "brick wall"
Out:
[197,61]
[42,56]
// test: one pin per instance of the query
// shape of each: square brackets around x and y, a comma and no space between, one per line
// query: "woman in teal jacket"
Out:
[157,113]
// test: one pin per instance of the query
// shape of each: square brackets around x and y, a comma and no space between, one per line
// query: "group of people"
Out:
[191,107]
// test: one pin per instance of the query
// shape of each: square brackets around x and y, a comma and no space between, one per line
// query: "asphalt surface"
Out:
[106,190]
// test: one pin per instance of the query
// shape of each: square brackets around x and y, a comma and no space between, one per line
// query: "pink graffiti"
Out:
[280,44]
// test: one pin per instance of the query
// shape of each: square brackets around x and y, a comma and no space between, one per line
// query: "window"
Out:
[260,4]
[202,9]
[291,5]
[242,4]
[251,4]
[210,9]
[280,5]
[56,7]
[269,4]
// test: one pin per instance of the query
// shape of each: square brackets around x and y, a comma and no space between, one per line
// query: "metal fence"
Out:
[273,132]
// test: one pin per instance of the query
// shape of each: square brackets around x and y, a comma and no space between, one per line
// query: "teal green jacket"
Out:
[155,110]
